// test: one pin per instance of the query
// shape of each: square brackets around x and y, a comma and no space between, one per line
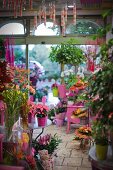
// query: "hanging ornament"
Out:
[21,5]
[54,15]
[40,16]
[63,30]
[74,14]
[35,22]
[4,3]
[45,16]
[62,18]
[65,12]
[50,11]
[30,4]
[15,10]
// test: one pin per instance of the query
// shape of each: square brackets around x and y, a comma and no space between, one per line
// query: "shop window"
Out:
[48,30]
[12,28]
[82,27]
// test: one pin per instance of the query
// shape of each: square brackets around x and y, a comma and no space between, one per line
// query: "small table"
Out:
[98,164]
[34,126]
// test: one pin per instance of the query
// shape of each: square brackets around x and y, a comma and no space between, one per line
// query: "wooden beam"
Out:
[32,13]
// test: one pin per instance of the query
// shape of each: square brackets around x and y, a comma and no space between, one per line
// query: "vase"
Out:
[42,121]
[55,92]
[101,152]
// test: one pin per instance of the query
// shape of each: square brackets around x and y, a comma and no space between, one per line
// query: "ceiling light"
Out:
[70,6]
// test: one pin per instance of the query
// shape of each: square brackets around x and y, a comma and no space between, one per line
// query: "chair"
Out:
[70,109]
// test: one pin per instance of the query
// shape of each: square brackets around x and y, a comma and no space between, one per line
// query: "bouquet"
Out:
[83,132]
[80,113]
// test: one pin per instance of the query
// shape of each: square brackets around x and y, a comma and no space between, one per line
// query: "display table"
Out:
[98,164]
[70,109]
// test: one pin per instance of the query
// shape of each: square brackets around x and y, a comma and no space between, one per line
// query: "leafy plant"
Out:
[67,53]
[99,133]
[47,142]
[51,113]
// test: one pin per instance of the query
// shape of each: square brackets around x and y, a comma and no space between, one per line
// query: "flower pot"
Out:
[42,121]
[55,92]
[59,122]
[101,152]
[60,116]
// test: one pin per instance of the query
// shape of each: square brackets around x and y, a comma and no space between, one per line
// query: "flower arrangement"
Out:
[84,135]
[71,96]
[80,112]
[40,110]
[47,142]
[61,107]
[83,132]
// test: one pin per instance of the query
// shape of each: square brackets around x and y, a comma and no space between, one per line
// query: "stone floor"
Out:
[69,156]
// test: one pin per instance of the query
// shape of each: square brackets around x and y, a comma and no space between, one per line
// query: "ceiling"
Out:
[31,7]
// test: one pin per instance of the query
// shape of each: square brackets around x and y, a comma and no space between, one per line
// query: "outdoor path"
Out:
[69,157]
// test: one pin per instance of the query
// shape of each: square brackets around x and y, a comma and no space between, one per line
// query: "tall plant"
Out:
[100,83]
[67,53]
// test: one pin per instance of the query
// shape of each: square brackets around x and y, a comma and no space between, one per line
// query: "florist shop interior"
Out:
[56,92]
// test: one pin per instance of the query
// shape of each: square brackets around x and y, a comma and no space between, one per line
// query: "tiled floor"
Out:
[69,156]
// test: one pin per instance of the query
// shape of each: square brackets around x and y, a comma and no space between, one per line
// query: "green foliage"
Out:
[51,113]
[70,81]
[99,133]
[67,53]
[50,146]
[100,84]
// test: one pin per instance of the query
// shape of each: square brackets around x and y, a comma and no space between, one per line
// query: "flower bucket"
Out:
[59,122]
[42,121]
[62,91]
[55,92]
[60,116]
[101,152]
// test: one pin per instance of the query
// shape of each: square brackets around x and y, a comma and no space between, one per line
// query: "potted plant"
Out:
[55,89]
[67,53]
[45,147]
[60,111]
[100,87]
[40,112]
[100,136]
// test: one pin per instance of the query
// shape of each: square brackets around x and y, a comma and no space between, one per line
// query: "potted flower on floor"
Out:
[60,112]
[41,111]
